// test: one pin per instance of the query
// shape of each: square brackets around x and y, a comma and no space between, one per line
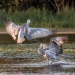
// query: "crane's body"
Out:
[54,49]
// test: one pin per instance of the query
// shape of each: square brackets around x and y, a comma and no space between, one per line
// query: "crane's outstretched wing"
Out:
[12,29]
[34,33]
[20,38]
[69,33]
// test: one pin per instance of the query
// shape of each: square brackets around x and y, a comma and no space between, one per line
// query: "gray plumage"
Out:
[54,50]
[42,48]
[22,31]
[34,33]
[25,30]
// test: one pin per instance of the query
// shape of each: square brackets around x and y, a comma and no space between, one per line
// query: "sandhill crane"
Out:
[33,33]
[54,50]
[26,31]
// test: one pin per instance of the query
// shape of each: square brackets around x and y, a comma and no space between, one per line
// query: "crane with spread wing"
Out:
[25,34]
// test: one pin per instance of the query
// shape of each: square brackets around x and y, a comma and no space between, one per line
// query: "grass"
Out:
[30,51]
[18,50]
[40,18]
[30,48]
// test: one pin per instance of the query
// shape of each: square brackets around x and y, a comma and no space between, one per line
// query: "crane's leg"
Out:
[51,62]
[48,61]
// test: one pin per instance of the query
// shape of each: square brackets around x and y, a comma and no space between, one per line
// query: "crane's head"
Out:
[60,40]
[28,21]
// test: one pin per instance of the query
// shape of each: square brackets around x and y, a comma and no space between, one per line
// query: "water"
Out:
[24,60]
[34,66]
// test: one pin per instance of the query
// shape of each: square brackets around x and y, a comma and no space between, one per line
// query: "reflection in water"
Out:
[55,68]
[22,65]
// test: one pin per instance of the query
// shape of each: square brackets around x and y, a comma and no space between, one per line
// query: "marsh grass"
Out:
[18,50]
[29,51]
[30,47]
[40,18]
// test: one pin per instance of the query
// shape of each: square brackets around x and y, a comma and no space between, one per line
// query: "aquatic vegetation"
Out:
[28,50]
[42,18]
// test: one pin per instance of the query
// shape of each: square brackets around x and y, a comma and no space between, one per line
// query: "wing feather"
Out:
[40,32]
[20,36]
